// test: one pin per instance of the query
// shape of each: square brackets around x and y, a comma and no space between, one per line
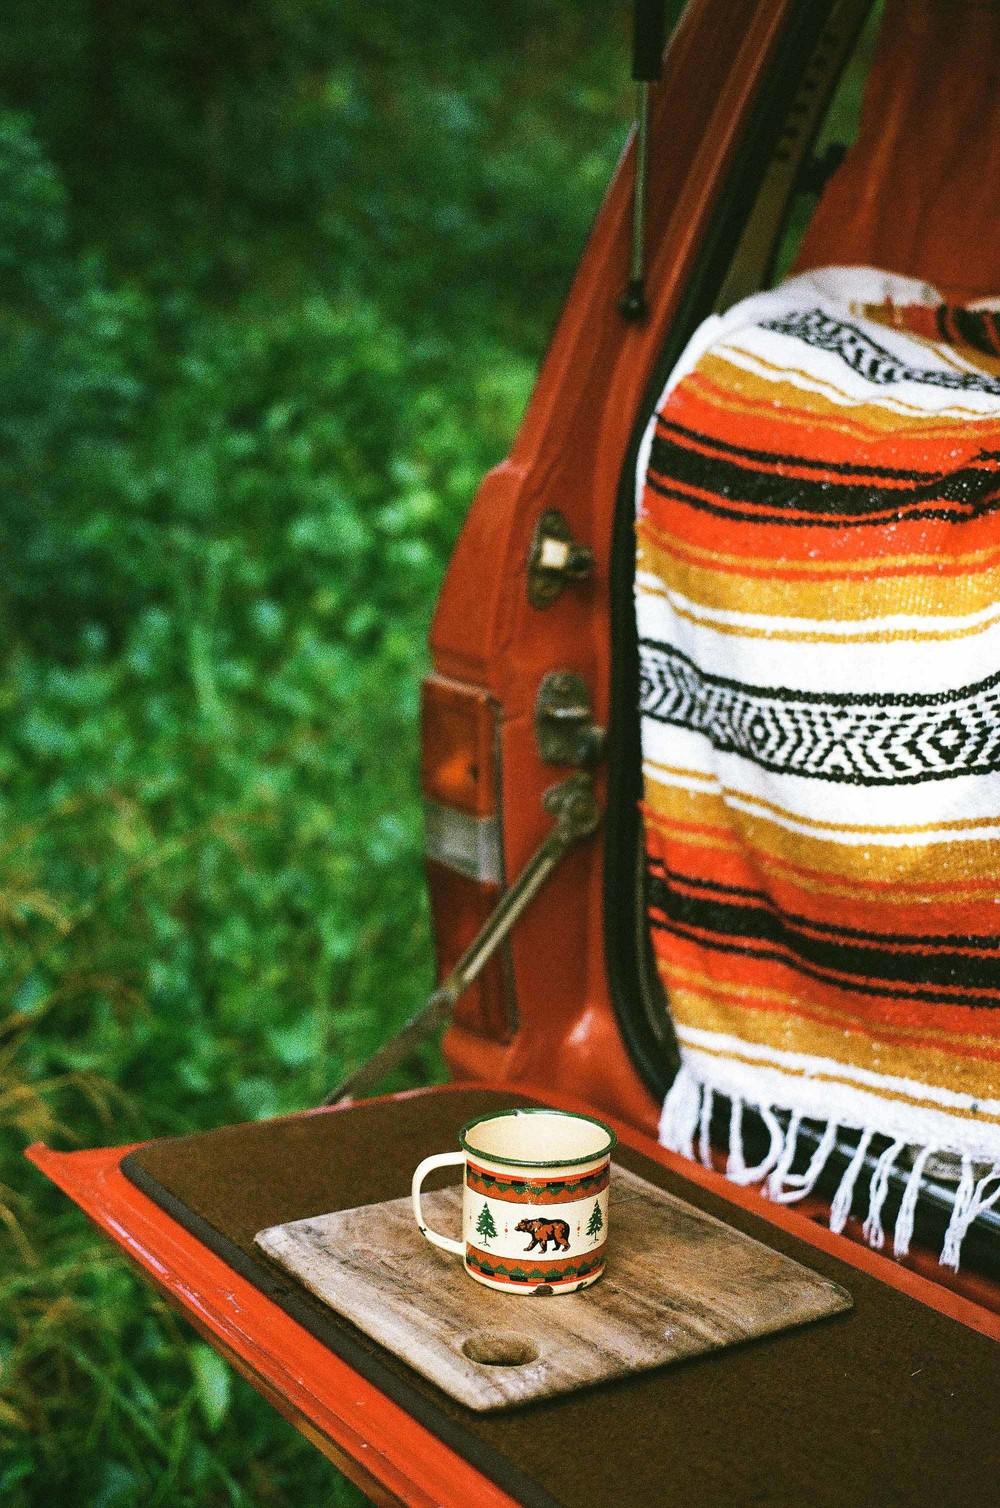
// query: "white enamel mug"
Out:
[534,1202]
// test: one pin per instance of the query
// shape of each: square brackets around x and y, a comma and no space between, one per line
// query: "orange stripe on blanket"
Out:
[775,976]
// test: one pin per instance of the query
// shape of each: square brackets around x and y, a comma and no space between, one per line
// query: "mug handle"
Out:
[439,1160]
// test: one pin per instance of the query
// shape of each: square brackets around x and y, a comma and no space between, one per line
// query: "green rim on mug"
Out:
[529,1162]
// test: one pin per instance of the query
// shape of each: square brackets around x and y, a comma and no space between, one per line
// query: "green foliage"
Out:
[274,280]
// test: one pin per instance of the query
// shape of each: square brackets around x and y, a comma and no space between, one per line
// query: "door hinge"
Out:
[565,730]
[555,560]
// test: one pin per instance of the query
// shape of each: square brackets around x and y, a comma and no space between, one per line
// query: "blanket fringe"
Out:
[685,1123]
[843,1198]
[680,1114]
[979,1197]
[877,1190]
[903,1232]
[705,1127]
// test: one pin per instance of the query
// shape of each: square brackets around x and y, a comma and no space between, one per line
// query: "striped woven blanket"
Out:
[818,598]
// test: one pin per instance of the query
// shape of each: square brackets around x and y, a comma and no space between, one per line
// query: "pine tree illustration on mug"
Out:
[596,1221]
[485,1226]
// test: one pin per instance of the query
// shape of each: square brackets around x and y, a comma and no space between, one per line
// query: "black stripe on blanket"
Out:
[926,942]
[755,932]
[978,328]
[866,740]
[969,492]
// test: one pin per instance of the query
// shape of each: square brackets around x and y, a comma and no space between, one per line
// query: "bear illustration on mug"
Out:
[544,1230]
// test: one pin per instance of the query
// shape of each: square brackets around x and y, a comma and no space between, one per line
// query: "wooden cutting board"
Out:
[678,1283]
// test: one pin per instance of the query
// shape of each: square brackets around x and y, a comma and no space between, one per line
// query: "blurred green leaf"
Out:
[212,1384]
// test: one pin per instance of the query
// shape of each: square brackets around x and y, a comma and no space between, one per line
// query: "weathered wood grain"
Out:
[678,1283]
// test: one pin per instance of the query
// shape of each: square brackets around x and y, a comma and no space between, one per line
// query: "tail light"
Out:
[460,774]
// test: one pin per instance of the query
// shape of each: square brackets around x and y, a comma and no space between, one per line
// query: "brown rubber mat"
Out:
[891,1403]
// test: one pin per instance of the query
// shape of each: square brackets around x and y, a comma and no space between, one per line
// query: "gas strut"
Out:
[649,29]
[576,813]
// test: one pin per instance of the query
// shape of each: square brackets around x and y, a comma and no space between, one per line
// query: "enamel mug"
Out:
[534,1201]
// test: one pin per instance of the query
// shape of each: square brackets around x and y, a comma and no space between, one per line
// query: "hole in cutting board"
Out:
[499,1348]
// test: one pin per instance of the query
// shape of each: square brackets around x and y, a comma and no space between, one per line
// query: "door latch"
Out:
[574,806]
[565,730]
[556,559]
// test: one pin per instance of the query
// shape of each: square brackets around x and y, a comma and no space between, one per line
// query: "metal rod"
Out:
[632,303]
[649,24]
[637,264]
[577,815]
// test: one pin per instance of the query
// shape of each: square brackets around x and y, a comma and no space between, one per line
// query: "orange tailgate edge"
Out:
[372,1440]
[369,1438]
